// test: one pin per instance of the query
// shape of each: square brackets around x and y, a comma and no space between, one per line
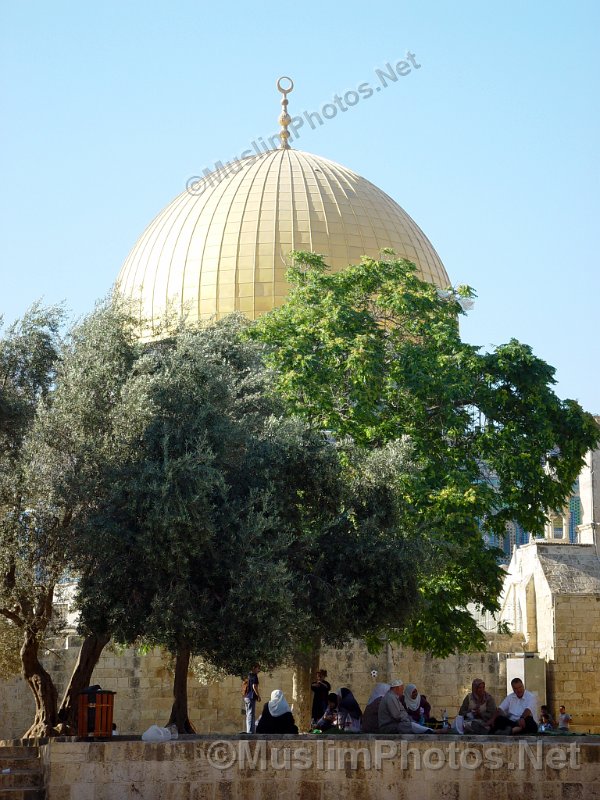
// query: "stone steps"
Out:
[23,778]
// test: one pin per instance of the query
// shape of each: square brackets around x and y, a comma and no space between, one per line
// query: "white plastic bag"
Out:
[156,734]
[459,724]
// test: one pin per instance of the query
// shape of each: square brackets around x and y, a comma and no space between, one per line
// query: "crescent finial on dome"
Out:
[284,117]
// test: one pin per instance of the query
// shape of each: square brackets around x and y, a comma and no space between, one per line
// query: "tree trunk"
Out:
[81,677]
[43,688]
[305,667]
[179,711]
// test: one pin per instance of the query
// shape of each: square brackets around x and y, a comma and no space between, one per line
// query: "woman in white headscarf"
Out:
[417,708]
[416,704]
[370,717]
[277,716]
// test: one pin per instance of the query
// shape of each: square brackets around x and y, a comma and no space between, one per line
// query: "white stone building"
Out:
[551,596]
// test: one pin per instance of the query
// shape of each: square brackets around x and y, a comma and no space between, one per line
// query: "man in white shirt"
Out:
[517,711]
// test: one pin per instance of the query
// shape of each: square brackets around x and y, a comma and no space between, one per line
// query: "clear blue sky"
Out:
[492,145]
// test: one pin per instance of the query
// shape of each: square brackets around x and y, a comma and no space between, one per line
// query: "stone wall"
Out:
[566,607]
[324,768]
[573,675]
[545,615]
[589,494]
[144,684]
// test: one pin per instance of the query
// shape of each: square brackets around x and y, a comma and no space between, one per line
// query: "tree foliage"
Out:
[188,544]
[229,531]
[186,539]
[241,492]
[10,645]
[56,401]
[29,353]
[373,355]
[196,514]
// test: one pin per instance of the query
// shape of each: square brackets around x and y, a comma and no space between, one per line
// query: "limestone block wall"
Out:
[324,768]
[544,614]
[589,494]
[17,708]
[445,682]
[527,602]
[144,684]
[573,678]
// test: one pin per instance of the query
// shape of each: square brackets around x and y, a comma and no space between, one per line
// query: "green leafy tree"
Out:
[10,646]
[230,532]
[28,358]
[190,546]
[74,439]
[373,355]
[196,513]
[59,396]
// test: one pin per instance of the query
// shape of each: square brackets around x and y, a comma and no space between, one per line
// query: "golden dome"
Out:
[224,245]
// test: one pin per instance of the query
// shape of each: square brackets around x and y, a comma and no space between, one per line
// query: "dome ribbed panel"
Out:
[226,247]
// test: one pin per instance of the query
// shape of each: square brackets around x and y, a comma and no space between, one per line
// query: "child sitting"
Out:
[545,724]
[329,718]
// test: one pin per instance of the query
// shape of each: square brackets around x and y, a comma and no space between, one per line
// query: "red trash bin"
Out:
[95,713]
